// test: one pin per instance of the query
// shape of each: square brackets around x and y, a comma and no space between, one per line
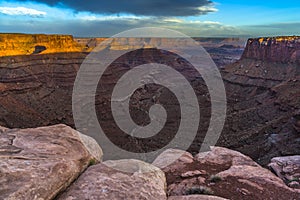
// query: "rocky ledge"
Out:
[57,162]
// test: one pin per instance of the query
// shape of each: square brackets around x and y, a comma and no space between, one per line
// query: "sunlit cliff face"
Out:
[22,44]
[280,39]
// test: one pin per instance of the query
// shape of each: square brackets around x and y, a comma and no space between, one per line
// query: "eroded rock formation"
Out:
[27,44]
[274,49]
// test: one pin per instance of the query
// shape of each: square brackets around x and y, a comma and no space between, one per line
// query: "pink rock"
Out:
[39,163]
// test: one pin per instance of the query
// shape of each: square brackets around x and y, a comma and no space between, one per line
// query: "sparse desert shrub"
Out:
[199,190]
[293,180]
[215,178]
[92,162]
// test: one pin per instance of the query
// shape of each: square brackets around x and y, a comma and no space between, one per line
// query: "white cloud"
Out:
[207,9]
[173,20]
[204,22]
[87,16]
[22,11]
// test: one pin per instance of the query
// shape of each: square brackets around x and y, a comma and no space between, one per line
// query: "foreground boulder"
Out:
[40,163]
[223,173]
[122,179]
[288,169]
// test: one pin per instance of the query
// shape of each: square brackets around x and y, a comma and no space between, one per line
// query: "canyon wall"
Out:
[275,49]
[36,90]
[263,94]
[27,44]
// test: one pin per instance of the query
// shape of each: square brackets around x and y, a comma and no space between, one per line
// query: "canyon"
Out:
[262,94]
[262,87]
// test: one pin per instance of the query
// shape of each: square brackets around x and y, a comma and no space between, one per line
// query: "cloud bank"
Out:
[22,11]
[105,18]
[139,7]
[108,26]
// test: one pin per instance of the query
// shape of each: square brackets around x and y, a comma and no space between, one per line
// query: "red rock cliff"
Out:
[274,49]
[26,44]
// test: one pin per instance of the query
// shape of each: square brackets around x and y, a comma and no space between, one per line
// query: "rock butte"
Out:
[276,49]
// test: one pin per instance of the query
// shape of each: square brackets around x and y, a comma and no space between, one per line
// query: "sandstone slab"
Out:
[112,180]
[40,163]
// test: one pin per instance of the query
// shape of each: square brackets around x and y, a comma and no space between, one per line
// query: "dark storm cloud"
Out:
[138,7]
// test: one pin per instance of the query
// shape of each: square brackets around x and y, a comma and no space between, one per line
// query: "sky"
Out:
[196,18]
